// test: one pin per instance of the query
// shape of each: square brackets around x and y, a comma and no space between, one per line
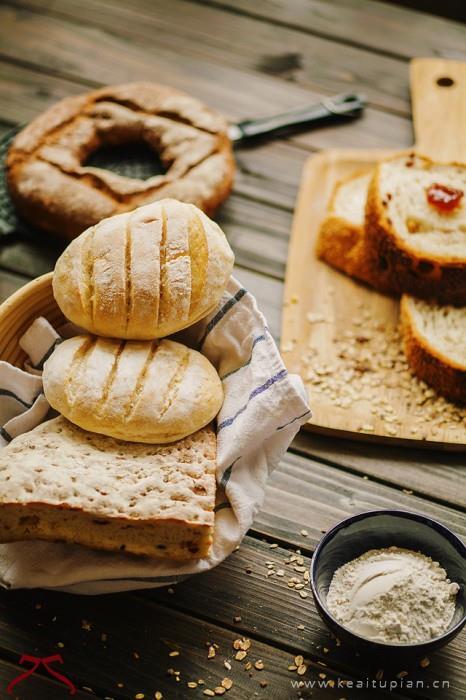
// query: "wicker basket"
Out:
[20,310]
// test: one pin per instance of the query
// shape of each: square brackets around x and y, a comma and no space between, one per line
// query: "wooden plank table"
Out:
[246,59]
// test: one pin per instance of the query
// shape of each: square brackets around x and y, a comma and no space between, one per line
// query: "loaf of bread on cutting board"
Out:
[416,227]
[144,274]
[141,391]
[434,335]
[381,229]
[61,483]
[434,339]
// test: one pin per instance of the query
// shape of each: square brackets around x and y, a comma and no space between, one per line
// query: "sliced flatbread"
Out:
[62,483]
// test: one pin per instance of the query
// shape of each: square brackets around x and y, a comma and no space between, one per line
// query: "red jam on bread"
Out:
[445,199]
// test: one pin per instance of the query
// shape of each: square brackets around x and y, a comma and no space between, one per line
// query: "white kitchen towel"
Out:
[263,409]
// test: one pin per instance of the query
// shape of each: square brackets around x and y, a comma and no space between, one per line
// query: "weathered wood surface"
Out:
[68,50]
[277,611]
[382,27]
[439,475]
[306,494]
[119,646]
[35,687]
[245,59]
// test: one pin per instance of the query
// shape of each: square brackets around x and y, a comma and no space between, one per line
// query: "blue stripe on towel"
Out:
[5,435]
[7,392]
[43,360]
[223,311]
[227,473]
[258,390]
[280,427]
[221,506]
[259,339]
[138,579]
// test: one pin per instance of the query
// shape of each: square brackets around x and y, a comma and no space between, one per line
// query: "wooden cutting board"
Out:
[326,314]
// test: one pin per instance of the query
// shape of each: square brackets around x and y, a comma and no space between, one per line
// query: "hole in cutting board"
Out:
[445,81]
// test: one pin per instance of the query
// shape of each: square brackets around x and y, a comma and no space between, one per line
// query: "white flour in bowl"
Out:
[393,595]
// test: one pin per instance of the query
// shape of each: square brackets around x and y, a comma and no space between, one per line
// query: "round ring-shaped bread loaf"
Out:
[144,274]
[140,391]
[52,187]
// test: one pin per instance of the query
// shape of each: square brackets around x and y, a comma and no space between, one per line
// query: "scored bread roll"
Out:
[62,483]
[140,391]
[144,274]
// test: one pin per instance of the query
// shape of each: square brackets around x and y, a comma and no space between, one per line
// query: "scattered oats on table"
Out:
[370,357]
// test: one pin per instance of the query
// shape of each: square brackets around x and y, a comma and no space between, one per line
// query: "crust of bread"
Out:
[63,484]
[144,274]
[160,539]
[140,391]
[406,272]
[428,362]
[341,244]
[52,188]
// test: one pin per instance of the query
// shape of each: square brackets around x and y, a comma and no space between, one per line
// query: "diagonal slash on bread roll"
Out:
[144,274]
[142,391]
[419,245]
[60,483]
[434,339]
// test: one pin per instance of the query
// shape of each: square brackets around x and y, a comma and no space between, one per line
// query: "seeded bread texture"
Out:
[434,340]
[141,391]
[145,274]
[421,250]
[61,483]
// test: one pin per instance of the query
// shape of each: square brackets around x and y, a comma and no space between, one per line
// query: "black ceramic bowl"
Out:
[385,528]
